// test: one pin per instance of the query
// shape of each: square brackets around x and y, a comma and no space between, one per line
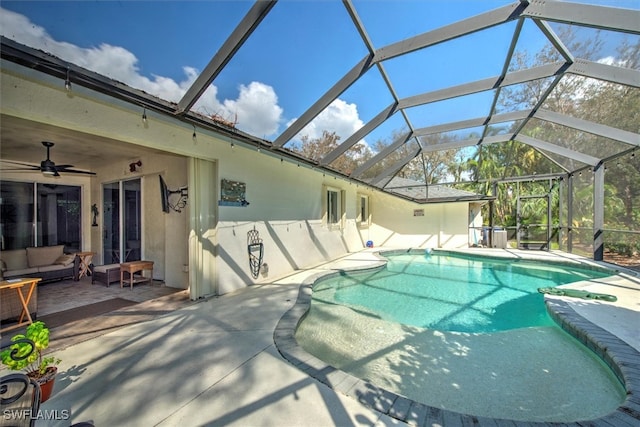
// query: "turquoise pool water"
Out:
[470,335]
[450,292]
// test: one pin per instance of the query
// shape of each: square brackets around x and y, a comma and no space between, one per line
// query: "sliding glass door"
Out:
[122,228]
[58,210]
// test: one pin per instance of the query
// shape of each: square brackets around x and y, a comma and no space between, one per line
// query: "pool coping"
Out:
[623,359]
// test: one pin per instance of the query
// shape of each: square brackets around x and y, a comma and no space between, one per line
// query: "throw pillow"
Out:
[65,259]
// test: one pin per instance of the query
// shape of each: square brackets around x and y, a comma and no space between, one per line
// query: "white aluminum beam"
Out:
[554,40]
[458,29]
[588,126]
[609,73]
[516,77]
[480,121]
[359,134]
[343,84]
[451,145]
[606,18]
[493,139]
[381,155]
[393,169]
[561,151]
[237,38]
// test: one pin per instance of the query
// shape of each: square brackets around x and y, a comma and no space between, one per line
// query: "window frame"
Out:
[364,216]
[335,221]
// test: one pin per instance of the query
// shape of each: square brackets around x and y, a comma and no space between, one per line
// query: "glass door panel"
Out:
[59,216]
[132,217]
[111,220]
[16,215]
[122,221]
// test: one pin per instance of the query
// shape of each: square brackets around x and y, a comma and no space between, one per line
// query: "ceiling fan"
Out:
[48,167]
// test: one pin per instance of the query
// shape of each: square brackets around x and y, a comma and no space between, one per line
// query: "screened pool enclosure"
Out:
[530,108]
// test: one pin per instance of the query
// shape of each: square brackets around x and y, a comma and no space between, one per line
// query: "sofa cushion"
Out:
[65,260]
[15,259]
[44,255]
[105,268]
[21,272]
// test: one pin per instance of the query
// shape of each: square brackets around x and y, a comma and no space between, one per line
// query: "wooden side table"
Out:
[85,259]
[134,267]
[18,285]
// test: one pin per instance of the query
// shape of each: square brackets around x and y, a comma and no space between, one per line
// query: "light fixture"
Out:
[132,166]
[144,116]
[232,145]
[194,133]
[49,170]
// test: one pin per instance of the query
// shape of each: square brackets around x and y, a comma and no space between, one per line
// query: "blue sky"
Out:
[300,50]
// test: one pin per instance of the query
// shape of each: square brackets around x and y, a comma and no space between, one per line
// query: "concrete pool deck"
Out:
[215,363]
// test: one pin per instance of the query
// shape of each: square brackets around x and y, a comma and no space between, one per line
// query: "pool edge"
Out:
[623,359]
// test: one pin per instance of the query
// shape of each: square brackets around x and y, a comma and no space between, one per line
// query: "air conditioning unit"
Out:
[499,239]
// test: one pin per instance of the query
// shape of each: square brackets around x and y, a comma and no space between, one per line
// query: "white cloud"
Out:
[339,117]
[256,107]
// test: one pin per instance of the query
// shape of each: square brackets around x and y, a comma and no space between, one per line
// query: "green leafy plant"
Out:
[23,356]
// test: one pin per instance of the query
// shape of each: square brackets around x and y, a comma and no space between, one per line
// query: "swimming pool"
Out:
[528,372]
[454,292]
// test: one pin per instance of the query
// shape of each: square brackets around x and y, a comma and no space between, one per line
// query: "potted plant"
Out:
[22,355]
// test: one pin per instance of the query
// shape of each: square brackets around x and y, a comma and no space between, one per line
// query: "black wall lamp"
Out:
[132,166]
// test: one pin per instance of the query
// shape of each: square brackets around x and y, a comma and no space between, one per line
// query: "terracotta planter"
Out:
[46,382]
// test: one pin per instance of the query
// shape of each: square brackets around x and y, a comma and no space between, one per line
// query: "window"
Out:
[363,205]
[52,217]
[334,206]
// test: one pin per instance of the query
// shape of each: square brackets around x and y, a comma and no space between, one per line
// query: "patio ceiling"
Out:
[405,121]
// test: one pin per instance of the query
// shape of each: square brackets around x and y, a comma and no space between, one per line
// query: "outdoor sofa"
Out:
[46,262]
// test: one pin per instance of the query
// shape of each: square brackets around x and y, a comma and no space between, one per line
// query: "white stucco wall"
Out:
[286,208]
[286,200]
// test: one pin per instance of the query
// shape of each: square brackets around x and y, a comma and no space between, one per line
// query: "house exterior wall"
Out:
[287,202]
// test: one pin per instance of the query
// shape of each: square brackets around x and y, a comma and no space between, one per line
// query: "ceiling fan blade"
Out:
[30,166]
[20,169]
[64,170]
[63,166]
